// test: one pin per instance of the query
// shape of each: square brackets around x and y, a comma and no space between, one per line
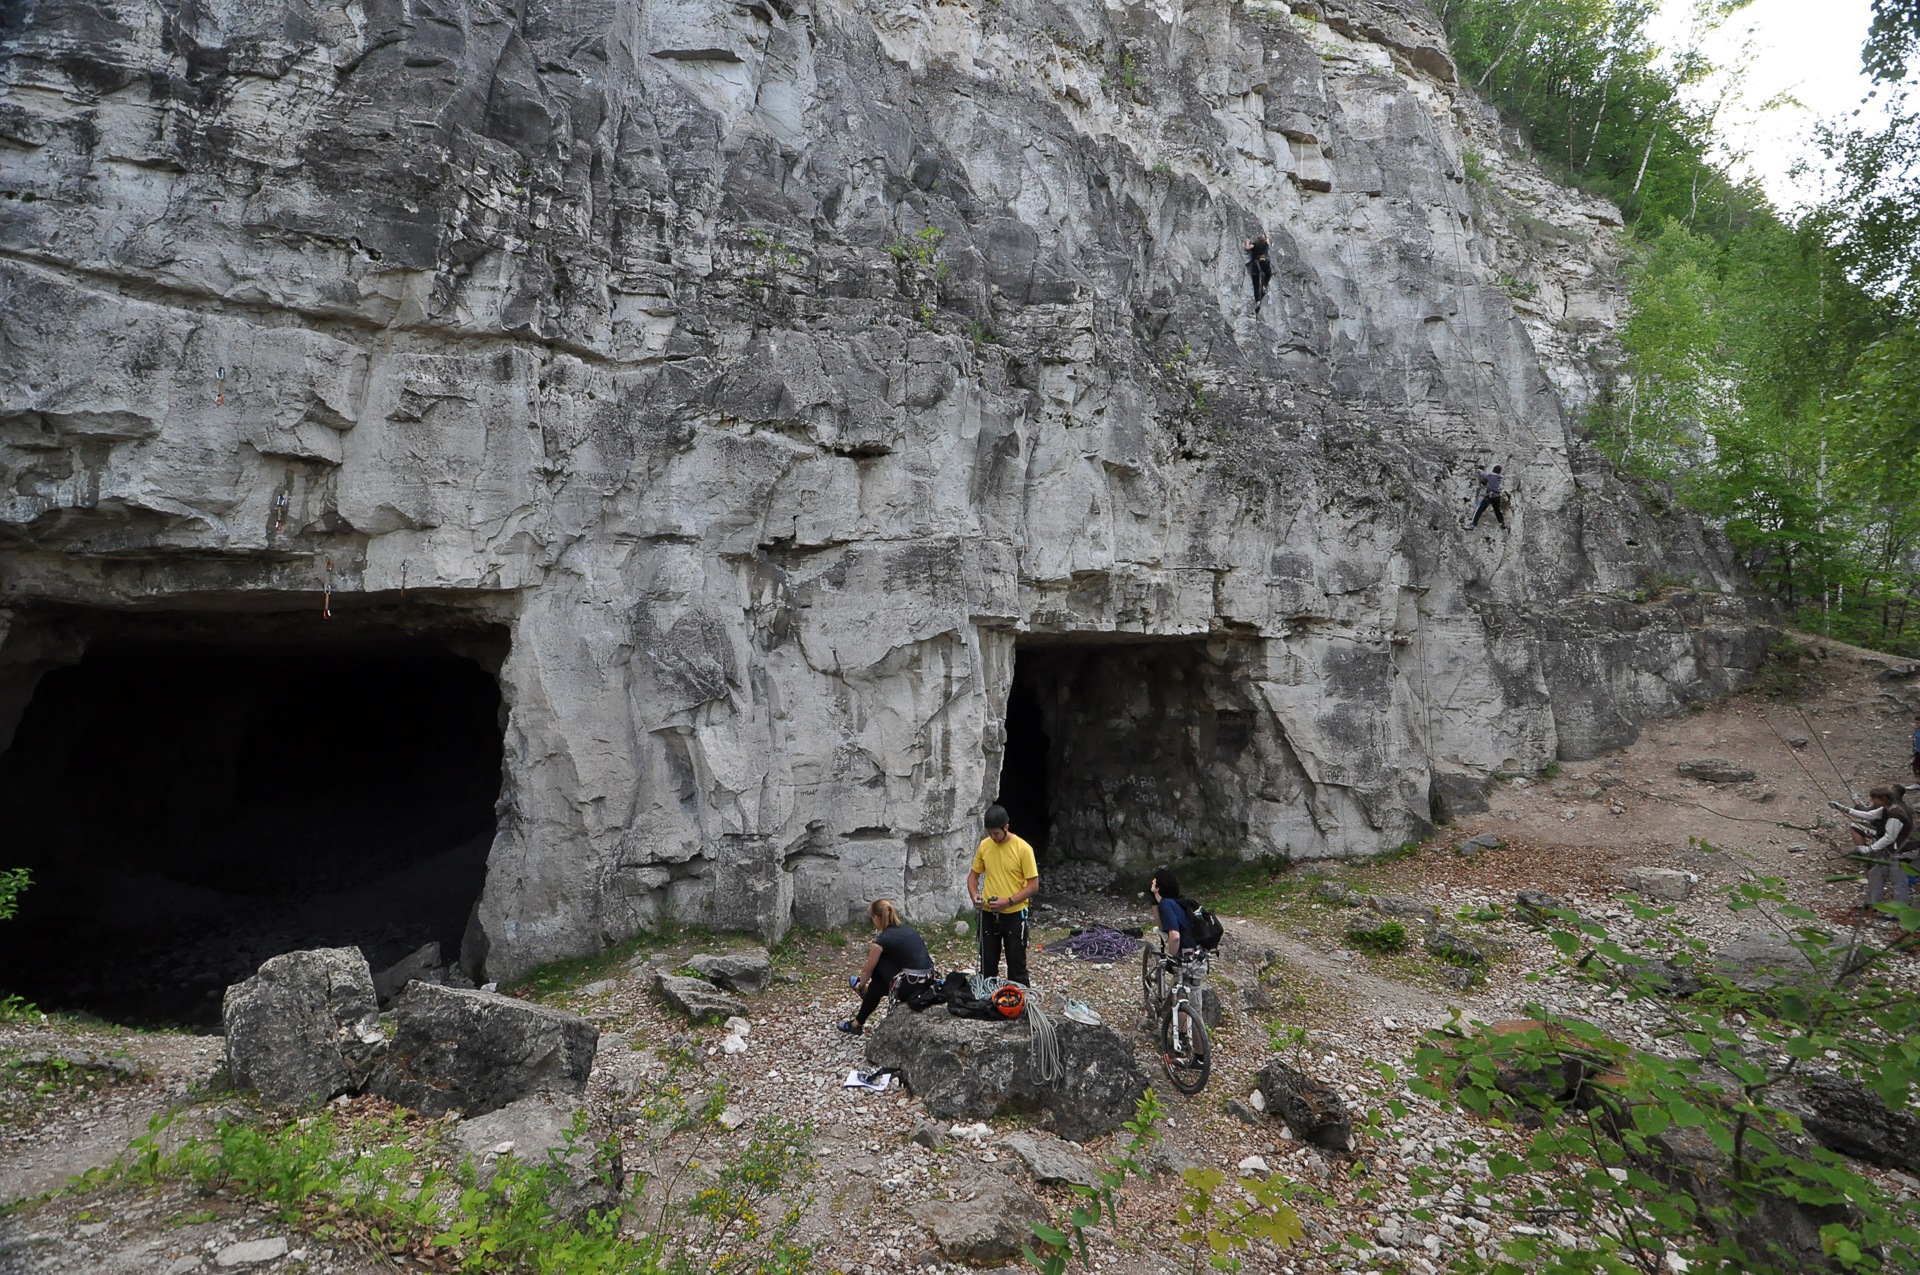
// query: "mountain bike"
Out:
[1174,990]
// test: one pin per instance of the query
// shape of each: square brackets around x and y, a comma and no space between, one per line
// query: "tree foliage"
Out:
[1772,371]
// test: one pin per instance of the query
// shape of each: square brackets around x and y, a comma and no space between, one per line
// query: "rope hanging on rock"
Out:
[1043,1058]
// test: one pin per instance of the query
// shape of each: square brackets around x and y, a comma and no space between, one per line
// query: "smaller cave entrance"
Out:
[1129,754]
[199,793]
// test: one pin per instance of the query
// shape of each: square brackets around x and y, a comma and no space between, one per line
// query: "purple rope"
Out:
[1096,944]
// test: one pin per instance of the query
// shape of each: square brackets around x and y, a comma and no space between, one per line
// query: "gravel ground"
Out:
[1575,835]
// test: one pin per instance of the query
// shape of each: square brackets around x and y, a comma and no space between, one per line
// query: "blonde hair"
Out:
[883,914]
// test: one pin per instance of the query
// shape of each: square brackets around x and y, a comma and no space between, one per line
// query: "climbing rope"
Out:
[1814,735]
[1043,1059]
[1097,943]
[1795,754]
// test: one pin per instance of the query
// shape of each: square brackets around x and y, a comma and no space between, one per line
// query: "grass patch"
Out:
[1383,939]
[557,978]
[382,1176]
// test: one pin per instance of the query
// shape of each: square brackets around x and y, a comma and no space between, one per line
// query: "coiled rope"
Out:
[1043,1059]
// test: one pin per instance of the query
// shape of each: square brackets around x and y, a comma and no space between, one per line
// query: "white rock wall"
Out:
[617,320]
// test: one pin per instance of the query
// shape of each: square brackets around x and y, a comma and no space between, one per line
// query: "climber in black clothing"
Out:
[1490,498]
[897,952]
[1259,268]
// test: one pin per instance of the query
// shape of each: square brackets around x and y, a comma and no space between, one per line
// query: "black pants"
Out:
[1486,503]
[1004,930]
[1261,272]
[884,972]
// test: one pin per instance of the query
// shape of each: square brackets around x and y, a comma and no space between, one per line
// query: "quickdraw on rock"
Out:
[326,595]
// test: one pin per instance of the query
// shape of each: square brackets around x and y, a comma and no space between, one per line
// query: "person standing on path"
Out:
[1259,267]
[1885,831]
[1003,880]
[1491,481]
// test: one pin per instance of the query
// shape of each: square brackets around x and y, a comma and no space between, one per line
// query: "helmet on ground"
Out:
[1010,1001]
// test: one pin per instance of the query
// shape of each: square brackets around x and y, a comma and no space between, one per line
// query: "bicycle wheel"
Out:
[1185,1054]
[1153,980]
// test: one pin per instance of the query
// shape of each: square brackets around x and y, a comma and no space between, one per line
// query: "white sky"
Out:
[1809,49]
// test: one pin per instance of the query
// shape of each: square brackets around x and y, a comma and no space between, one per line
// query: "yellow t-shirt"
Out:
[1004,867]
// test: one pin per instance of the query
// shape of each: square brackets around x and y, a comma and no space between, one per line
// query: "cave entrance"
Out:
[199,793]
[1128,754]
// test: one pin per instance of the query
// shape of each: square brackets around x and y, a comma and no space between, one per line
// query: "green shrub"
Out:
[1381,939]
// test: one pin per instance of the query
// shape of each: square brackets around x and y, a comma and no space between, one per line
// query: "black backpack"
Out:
[1207,931]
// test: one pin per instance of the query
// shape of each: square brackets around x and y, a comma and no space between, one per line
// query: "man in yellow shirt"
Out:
[1003,880]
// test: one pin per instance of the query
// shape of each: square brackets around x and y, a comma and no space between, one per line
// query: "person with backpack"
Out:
[897,952]
[1491,480]
[1176,932]
[1002,883]
[1885,831]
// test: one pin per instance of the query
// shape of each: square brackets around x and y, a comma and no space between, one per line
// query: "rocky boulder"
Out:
[698,999]
[477,1051]
[1714,770]
[1761,959]
[1781,1234]
[1401,905]
[1450,947]
[545,1131]
[1314,1110]
[1536,906]
[747,972]
[305,1027]
[1669,884]
[973,1069]
[422,965]
[1844,1115]
[1053,1162]
[987,1224]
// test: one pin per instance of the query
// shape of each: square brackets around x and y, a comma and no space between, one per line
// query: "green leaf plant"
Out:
[1685,1154]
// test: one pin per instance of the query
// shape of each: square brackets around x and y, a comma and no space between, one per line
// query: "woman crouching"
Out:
[897,949]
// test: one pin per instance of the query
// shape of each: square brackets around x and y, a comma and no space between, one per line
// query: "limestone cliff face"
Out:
[772,369]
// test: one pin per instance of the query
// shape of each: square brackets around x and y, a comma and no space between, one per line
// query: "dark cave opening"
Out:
[1129,753]
[193,797]
[1023,767]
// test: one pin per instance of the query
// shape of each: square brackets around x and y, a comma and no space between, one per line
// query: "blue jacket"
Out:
[1174,917]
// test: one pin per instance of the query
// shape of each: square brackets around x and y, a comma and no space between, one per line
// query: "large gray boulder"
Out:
[746,972]
[305,1027]
[973,1069]
[1313,1109]
[1714,770]
[1844,1115]
[987,1224]
[546,1130]
[1052,1161]
[698,999]
[1669,884]
[478,1051]
[1761,959]
[423,965]
[1781,1234]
